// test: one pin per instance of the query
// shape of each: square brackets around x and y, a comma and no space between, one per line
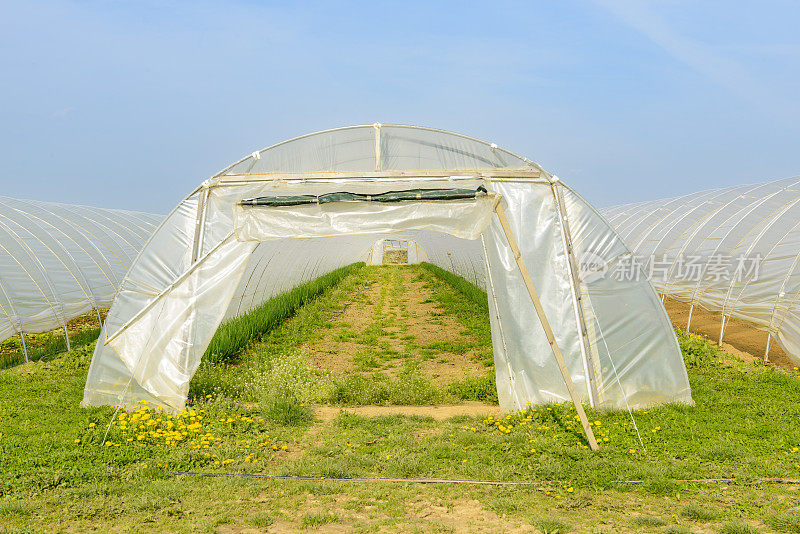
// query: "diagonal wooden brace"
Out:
[548,331]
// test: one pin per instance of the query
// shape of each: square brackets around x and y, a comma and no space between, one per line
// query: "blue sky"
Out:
[131,105]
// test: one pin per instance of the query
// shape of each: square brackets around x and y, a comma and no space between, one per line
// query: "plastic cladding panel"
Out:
[413,148]
[346,149]
[58,261]
[754,230]
[628,326]
[525,367]
[401,148]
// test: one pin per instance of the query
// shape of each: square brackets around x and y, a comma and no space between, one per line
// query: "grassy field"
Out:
[280,404]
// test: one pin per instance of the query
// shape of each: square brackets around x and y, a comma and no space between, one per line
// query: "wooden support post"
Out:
[66,336]
[689,322]
[766,352]
[377,127]
[548,331]
[24,347]
[586,349]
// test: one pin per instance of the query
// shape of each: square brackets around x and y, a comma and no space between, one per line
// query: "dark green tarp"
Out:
[389,196]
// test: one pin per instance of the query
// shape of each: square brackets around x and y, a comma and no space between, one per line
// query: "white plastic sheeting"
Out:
[734,251]
[58,261]
[213,259]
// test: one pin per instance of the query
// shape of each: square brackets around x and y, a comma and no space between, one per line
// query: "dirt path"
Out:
[440,413]
[740,339]
[393,326]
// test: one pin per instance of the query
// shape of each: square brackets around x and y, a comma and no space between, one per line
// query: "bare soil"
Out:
[740,339]
[405,326]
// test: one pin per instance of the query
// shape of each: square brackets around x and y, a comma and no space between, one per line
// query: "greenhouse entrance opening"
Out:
[395,252]
[461,213]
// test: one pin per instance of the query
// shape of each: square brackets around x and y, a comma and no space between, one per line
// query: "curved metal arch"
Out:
[94,241]
[58,257]
[31,256]
[110,232]
[748,209]
[772,219]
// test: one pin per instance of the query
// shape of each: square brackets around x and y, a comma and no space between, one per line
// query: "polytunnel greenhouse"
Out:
[59,261]
[734,251]
[303,207]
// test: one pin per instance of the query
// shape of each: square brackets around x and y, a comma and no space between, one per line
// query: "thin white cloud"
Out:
[61,113]
[696,54]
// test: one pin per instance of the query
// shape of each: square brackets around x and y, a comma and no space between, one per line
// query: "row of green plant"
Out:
[474,293]
[42,346]
[275,370]
[232,337]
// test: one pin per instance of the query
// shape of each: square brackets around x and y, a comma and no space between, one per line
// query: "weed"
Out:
[288,412]
[551,526]
[698,513]
[738,528]
[317,519]
[785,521]
[261,520]
[480,388]
[648,521]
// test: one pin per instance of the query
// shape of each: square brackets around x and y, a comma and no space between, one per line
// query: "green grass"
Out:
[698,513]
[288,412]
[788,521]
[475,294]
[481,389]
[551,526]
[317,519]
[648,521]
[259,419]
[736,527]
